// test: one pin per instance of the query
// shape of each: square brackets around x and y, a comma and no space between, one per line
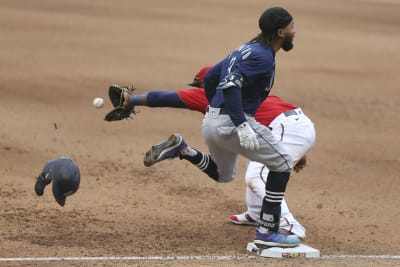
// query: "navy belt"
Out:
[291,113]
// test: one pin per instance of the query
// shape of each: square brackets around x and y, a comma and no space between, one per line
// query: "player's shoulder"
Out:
[263,51]
[253,56]
[259,54]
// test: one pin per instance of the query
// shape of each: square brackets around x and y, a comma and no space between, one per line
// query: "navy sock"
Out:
[271,207]
[204,162]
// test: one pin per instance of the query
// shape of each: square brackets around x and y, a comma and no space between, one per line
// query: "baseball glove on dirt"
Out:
[116,94]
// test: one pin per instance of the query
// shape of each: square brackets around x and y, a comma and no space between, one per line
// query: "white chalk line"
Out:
[116,258]
[394,257]
[169,258]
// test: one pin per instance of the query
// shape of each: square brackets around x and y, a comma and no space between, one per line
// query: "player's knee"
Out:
[226,178]
[221,175]
[284,165]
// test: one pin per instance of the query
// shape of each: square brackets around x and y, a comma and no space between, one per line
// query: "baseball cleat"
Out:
[242,219]
[167,149]
[276,239]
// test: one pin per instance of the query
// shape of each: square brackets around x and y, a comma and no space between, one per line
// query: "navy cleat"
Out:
[276,239]
[167,149]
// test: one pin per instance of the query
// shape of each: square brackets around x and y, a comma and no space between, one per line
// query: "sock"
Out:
[271,207]
[203,161]
[187,151]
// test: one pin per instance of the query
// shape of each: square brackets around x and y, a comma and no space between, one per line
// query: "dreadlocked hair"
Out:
[265,38]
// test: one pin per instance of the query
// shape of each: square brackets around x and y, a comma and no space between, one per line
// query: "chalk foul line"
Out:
[143,258]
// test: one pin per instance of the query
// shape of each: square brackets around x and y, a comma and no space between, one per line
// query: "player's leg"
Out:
[267,232]
[175,146]
[220,164]
[273,155]
[255,192]
[256,174]
[297,136]
[289,222]
[251,215]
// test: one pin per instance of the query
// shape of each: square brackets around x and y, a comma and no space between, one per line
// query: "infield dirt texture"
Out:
[57,56]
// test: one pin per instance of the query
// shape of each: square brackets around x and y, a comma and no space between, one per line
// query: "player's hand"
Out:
[300,164]
[247,137]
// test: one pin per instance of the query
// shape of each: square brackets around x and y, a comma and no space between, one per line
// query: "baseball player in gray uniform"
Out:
[235,87]
[288,122]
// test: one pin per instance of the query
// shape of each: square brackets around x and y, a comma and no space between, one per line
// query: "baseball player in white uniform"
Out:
[296,133]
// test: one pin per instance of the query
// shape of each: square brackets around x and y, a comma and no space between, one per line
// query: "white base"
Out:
[301,251]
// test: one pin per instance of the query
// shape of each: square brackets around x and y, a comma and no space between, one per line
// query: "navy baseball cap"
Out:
[274,18]
[65,175]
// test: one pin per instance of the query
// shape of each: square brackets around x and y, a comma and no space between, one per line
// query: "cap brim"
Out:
[58,195]
[193,84]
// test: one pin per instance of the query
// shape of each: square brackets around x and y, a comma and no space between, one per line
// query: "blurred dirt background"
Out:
[56,56]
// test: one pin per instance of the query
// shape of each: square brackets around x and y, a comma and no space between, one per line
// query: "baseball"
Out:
[98,102]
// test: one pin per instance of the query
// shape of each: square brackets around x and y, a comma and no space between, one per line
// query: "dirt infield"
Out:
[56,56]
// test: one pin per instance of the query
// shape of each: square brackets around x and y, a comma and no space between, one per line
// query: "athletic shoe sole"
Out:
[157,152]
[264,244]
[289,242]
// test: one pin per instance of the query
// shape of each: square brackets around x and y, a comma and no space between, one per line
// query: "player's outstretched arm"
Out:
[155,99]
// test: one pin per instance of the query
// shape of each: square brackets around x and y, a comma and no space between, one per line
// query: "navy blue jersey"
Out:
[241,81]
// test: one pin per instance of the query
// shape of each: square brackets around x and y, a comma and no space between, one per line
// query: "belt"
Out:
[292,112]
[225,112]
